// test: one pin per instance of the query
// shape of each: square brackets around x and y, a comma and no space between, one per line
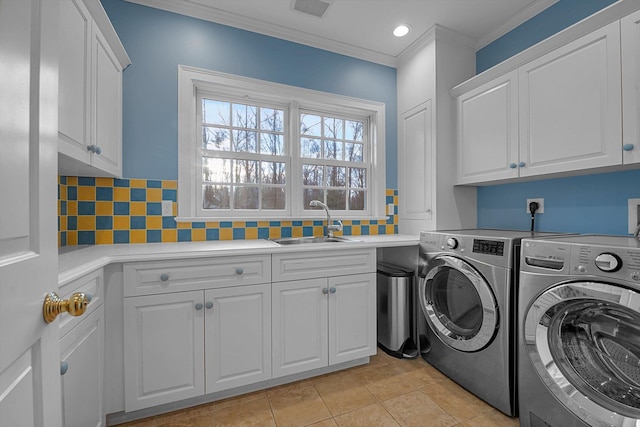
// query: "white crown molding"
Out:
[199,11]
[436,32]
[519,18]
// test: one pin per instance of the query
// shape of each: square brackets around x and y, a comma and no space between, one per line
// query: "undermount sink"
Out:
[304,240]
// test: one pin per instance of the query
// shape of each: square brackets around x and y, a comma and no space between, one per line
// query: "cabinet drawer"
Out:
[296,266]
[91,284]
[145,278]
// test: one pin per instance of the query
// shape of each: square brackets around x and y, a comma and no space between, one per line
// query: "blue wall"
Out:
[548,22]
[594,203]
[158,41]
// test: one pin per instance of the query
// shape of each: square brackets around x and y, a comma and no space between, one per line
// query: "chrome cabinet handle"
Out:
[64,367]
[239,271]
[522,164]
[325,291]
[628,147]
[209,305]
[164,277]
[198,306]
[512,165]
[332,290]
[91,148]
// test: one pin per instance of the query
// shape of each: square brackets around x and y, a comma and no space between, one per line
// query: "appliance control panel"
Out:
[619,263]
[492,250]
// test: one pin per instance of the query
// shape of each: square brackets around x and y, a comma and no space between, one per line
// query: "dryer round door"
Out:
[583,339]
[458,304]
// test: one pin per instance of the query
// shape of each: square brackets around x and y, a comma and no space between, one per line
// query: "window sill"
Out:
[278,219]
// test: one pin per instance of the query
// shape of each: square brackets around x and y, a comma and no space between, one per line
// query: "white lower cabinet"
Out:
[322,322]
[81,368]
[185,344]
[164,348]
[237,336]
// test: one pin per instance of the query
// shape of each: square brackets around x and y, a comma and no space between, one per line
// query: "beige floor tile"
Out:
[369,416]
[326,423]
[243,398]
[409,393]
[454,399]
[416,409]
[297,406]
[421,373]
[344,393]
[248,414]
[387,381]
[493,418]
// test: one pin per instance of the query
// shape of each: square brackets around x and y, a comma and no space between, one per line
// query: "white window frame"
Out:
[191,80]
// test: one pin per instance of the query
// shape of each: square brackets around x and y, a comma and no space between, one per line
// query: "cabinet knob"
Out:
[91,148]
[325,291]
[239,271]
[89,297]
[628,147]
[198,306]
[98,150]
[522,164]
[64,367]
[332,290]
[209,305]
[164,277]
[512,165]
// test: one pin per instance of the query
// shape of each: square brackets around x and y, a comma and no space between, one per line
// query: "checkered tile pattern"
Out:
[94,211]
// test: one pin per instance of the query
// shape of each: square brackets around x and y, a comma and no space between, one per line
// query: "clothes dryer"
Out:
[466,287]
[579,324]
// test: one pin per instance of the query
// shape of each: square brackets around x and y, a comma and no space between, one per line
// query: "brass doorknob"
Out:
[76,305]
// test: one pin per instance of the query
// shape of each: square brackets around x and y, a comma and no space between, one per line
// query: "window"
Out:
[250,149]
[243,157]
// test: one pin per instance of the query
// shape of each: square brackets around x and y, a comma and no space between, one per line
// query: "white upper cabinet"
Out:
[630,29]
[570,106]
[488,131]
[90,91]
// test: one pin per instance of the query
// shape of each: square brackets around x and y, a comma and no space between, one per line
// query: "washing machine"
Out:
[579,324]
[466,291]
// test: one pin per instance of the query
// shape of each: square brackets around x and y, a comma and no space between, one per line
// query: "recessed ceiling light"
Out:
[401,30]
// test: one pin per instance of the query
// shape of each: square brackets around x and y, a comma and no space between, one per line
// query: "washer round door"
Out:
[583,339]
[458,304]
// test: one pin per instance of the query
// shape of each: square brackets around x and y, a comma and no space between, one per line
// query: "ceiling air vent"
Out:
[316,8]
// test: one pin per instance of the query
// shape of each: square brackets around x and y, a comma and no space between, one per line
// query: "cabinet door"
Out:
[487,135]
[570,106]
[74,80]
[352,317]
[631,87]
[299,326]
[107,106]
[81,367]
[416,163]
[238,336]
[164,348]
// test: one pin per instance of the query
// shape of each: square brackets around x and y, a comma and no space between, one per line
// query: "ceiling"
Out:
[362,28]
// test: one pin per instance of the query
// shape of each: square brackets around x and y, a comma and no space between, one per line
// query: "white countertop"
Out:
[75,261]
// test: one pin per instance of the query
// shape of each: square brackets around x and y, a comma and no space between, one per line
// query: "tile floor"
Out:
[385,392]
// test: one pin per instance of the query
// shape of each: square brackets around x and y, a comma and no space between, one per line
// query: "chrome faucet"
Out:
[331,227]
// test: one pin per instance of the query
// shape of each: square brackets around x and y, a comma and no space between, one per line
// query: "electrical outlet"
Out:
[540,205]
[634,215]
[390,209]
[167,208]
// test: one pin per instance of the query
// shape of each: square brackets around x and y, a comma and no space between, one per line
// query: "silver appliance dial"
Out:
[608,262]
[452,243]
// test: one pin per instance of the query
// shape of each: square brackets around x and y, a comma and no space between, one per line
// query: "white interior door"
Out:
[30,350]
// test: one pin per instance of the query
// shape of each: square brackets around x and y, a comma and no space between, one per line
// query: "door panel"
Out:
[238,336]
[299,326]
[29,359]
[352,317]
